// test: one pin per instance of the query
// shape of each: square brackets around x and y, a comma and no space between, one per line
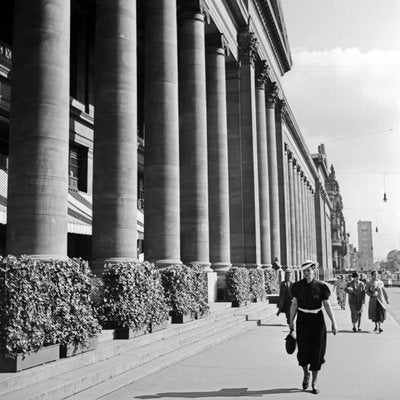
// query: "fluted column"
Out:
[162,211]
[217,136]
[292,199]
[39,130]
[287,239]
[265,237]
[301,219]
[272,97]
[115,138]
[193,136]
[297,212]
[250,239]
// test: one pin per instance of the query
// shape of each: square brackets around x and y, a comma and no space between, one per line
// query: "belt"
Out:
[316,311]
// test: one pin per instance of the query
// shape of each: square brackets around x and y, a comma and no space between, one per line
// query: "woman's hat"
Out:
[354,274]
[309,264]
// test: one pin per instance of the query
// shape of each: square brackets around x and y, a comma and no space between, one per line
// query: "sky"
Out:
[344,90]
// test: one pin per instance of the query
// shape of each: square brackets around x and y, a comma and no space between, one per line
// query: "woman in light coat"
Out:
[356,291]
[378,301]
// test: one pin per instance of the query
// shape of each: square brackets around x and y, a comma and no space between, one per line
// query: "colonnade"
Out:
[212,184]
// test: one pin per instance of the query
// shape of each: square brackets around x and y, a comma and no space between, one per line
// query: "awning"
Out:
[79,210]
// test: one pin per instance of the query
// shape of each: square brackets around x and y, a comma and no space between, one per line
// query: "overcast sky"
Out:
[344,90]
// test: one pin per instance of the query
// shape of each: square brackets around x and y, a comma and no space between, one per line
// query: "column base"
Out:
[252,266]
[205,264]
[221,267]
[212,279]
[47,257]
[98,266]
[162,264]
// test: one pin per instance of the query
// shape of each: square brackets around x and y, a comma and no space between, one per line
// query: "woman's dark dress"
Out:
[310,328]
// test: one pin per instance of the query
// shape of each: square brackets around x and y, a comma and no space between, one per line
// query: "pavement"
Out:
[363,365]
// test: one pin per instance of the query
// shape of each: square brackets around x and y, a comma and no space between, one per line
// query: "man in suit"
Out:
[285,297]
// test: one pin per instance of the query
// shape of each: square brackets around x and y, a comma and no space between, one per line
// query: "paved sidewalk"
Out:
[361,365]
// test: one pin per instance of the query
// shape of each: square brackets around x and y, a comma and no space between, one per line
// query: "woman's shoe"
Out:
[354,329]
[375,329]
[306,381]
[359,329]
[315,389]
[380,330]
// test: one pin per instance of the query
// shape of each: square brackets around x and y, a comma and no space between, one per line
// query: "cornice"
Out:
[277,38]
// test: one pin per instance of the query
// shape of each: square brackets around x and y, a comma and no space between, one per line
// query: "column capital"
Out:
[217,42]
[272,94]
[248,45]
[262,72]
[188,9]
[280,109]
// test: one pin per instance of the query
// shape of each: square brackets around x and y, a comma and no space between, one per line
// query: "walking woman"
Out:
[308,297]
[285,296]
[356,291]
[378,301]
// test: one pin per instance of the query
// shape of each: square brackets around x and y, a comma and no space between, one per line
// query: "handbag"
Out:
[290,343]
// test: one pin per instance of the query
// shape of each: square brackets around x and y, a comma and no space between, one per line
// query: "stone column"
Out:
[303,216]
[272,97]
[115,138]
[161,170]
[39,130]
[265,237]
[297,213]
[301,219]
[292,199]
[193,136]
[287,239]
[248,145]
[218,175]
[234,162]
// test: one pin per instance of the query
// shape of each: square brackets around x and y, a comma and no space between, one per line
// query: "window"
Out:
[77,168]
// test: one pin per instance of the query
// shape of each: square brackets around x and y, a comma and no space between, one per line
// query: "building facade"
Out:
[155,129]
[365,246]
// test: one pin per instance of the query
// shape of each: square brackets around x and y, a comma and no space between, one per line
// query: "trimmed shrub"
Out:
[271,281]
[185,289]
[133,296]
[44,303]
[238,285]
[257,286]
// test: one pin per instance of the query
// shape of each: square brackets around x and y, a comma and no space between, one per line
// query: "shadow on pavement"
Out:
[226,392]
[350,331]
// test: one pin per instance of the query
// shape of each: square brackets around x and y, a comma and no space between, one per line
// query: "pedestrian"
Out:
[285,296]
[378,301]
[356,291]
[309,295]
[340,286]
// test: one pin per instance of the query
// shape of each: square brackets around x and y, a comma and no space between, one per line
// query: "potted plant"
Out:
[238,286]
[133,302]
[200,290]
[73,310]
[179,289]
[271,285]
[257,286]
[28,334]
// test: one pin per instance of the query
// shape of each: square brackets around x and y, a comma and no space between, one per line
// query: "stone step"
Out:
[106,349]
[80,379]
[111,358]
[104,388]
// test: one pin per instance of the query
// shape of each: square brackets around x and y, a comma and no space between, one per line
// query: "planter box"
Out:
[181,318]
[158,327]
[73,349]
[258,300]
[273,298]
[236,303]
[130,333]
[19,362]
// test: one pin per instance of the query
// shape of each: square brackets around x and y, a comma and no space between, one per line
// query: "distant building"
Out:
[392,264]
[365,246]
